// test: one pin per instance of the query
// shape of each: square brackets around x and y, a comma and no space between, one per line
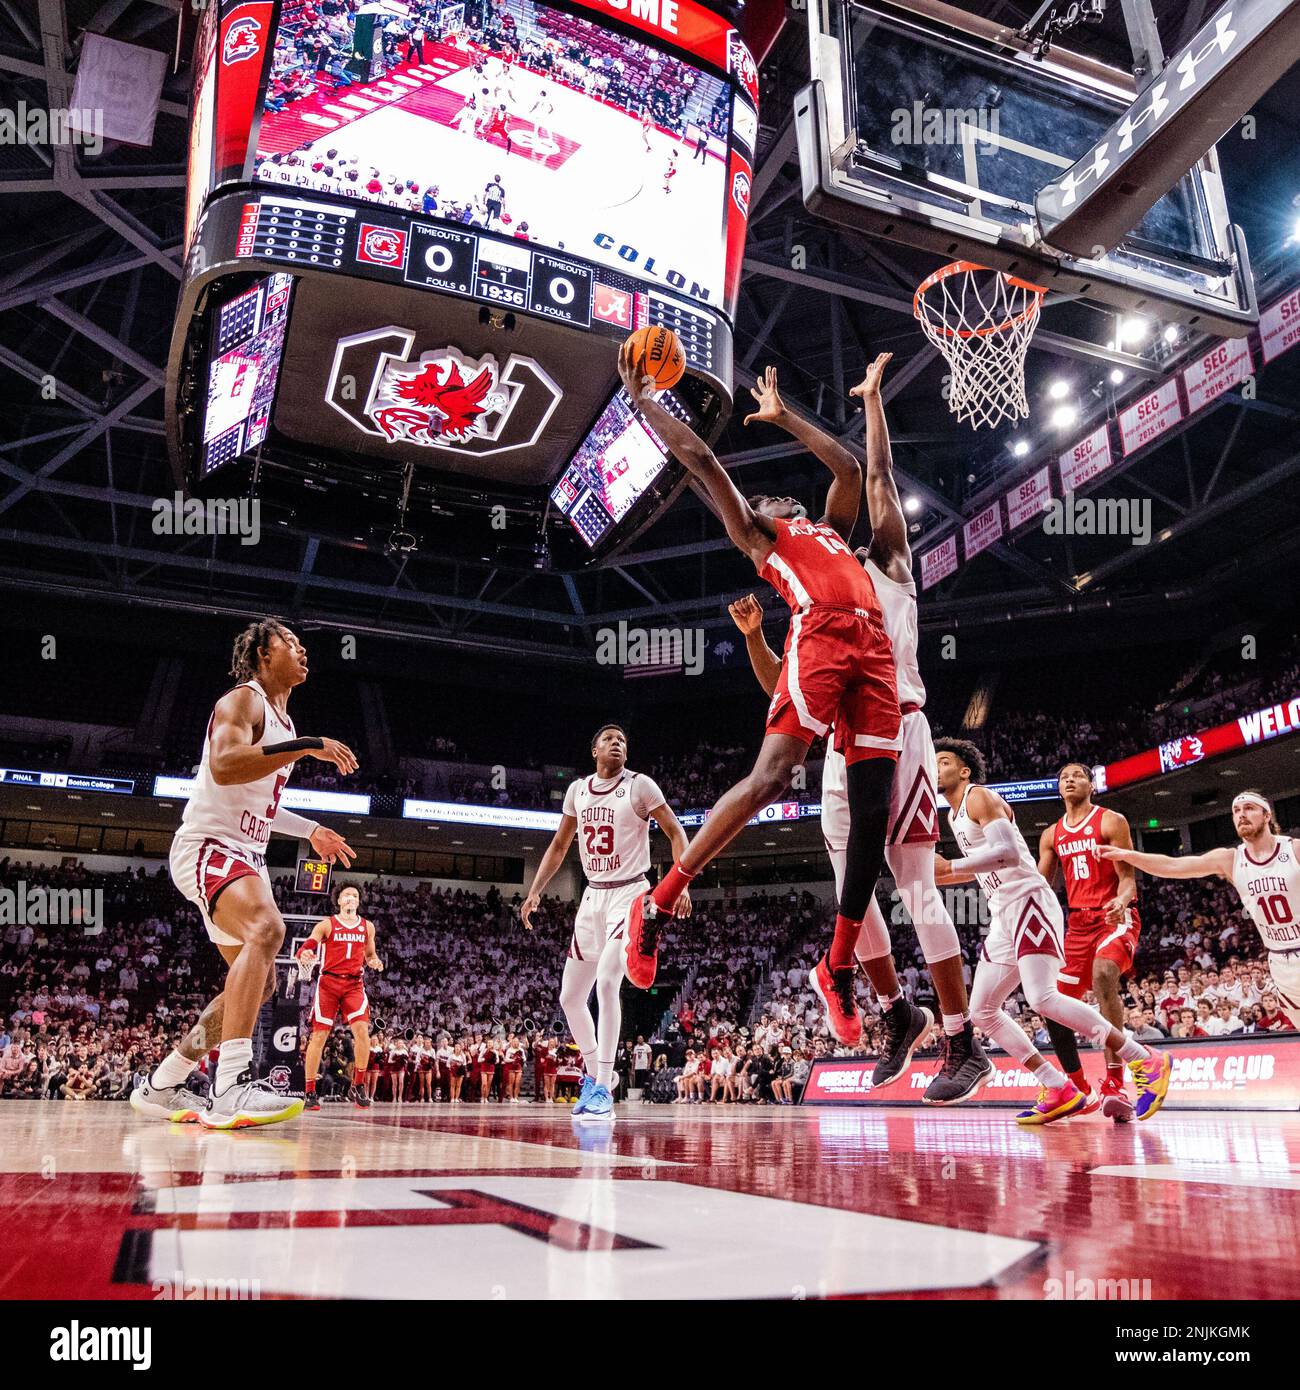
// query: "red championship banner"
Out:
[1089,457]
[1149,418]
[1030,499]
[1258,1072]
[939,563]
[1218,371]
[1261,725]
[982,530]
[1279,326]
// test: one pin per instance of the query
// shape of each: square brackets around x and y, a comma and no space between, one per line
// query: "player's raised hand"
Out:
[771,408]
[870,384]
[638,384]
[526,909]
[747,614]
[331,846]
[337,753]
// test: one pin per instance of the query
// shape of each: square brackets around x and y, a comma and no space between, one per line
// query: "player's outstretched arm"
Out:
[234,759]
[747,530]
[1216,863]
[550,862]
[747,614]
[844,497]
[1000,849]
[889,545]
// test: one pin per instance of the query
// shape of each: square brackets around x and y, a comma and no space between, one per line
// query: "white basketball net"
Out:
[982,321]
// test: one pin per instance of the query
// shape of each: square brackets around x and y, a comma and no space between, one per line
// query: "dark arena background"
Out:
[311,310]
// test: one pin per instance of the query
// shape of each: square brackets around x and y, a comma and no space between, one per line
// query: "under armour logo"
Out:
[1222,39]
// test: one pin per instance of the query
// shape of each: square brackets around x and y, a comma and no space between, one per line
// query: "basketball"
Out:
[663,355]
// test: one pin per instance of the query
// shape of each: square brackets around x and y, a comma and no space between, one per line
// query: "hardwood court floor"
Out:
[667,1202]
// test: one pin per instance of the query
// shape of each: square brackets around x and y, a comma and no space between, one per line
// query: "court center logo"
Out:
[444,399]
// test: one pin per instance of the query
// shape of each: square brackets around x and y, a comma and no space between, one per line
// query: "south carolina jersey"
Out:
[898,605]
[613,825]
[1270,891]
[239,817]
[810,565]
[345,947]
[1090,880]
[1000,886]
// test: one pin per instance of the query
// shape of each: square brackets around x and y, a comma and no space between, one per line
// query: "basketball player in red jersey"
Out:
[913,813]
[1102,934]
[218,862]
[348,940]
[838,669]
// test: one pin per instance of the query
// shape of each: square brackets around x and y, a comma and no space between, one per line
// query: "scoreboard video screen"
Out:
[622,159]
[417,232]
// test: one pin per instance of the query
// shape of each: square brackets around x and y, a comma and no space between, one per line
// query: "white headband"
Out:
[1251,799]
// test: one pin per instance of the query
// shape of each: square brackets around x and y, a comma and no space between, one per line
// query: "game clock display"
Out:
[313,876]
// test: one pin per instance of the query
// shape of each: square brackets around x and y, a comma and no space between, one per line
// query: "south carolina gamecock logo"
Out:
[442,399]
[740,191]
[443,396]
[241,41]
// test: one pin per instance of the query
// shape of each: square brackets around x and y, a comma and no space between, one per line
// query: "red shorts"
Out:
[337,994]
[1090,937]
[839,669]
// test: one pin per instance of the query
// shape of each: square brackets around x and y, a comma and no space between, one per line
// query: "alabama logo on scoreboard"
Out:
[444,399]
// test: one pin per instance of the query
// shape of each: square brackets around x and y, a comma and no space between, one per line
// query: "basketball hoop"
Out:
[982,321]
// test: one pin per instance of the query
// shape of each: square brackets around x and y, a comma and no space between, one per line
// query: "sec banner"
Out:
[1249,1073]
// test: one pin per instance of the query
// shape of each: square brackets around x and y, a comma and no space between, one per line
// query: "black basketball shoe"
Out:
[357,1095]
[313,1101]
[906,1028]
[964,1069]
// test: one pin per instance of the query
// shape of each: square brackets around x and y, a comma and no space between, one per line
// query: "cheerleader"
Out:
[488,1069]
[443,1060]
[456,1065]
[398,1057]
[378,1064]
[514,1070]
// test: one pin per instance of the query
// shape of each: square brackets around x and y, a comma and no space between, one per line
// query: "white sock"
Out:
[888,1001]
[1133,1051]
[235,1056]
[604,1074]
[589,1061]
[1047,1075]
[954,1023]
[171,1071]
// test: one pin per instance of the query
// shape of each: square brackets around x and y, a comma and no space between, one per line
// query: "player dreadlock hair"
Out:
[965,752]
[251,643]
[1272,814]
[602,729]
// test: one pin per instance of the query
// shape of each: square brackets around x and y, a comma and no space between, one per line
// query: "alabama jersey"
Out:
[810,565]
[239,816]
[613,825]
[345,947]
[1270,891]
[1090,880]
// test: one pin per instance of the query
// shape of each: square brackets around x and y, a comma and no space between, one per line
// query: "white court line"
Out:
[1227,1176]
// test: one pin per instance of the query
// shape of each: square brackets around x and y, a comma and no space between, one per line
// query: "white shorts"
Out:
[1031,924]
[913,801]
[602,914]
[201,867]
[1285,970]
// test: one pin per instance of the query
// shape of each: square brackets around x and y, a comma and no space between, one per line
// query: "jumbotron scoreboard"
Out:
[417,233]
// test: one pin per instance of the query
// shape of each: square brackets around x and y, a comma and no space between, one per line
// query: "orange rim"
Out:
[965,267]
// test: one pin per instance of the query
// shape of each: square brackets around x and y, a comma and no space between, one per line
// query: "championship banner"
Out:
[1253,1072]
[939,563]
[1261,725]
[1147,419]
[1279,326]
[1089,458]
[1030,499]
[1228,365]
[982,530]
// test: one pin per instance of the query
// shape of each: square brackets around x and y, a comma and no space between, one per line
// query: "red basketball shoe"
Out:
[1115,1102]
[835,990]
[642,949]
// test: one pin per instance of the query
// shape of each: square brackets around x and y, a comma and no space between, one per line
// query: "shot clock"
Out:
[313,876]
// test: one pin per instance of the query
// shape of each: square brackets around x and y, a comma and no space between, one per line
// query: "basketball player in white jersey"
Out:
[218,862]
[611,812]
[913,813]
[540,114]
[1025,945]
[1264,869]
